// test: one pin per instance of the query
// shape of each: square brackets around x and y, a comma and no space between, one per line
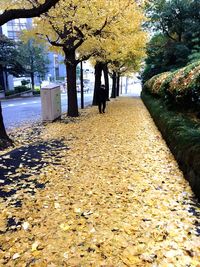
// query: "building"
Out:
[13,28]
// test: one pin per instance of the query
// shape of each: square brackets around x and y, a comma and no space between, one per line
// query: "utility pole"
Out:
[126,86]
[121,86]
[82,86]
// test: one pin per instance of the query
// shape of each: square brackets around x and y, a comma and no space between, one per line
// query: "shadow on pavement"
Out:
[17,166]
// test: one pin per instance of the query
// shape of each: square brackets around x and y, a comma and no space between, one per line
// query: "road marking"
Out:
[8,106]
[19,104]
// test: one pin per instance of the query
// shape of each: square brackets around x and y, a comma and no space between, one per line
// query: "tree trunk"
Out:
[114,85]
[105,71]
[71,84]
[118,83]
[6,81]
[2,81]
[4,139]
[32,81]
[97,84]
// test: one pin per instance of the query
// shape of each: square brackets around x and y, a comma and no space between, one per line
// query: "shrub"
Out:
[184,86]
[9,93]
[36,90]
[154,85]
[25,82]
[181,87]
[182,135]
[21,88]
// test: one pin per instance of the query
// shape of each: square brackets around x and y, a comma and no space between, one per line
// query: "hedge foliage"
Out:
[165,95]
[182,135]
[17,90]
[181,87]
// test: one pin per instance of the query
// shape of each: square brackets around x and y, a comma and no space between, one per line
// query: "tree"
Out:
[9,62]
[123,50]
[34,58]
[75,23]
[176,23]
[12,9]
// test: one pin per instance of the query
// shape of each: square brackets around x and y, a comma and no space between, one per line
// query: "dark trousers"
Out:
[102,106]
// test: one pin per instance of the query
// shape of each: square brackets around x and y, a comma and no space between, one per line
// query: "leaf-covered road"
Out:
[116,198]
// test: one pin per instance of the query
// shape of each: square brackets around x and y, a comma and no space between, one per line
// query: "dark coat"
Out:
[101,95]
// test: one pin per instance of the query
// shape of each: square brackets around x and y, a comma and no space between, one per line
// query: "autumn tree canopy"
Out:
[81,28]
[121,49]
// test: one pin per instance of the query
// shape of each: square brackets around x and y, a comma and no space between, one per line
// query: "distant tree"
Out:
[9,63]
[163,55]
[34,59]
[176,24]
[169,17]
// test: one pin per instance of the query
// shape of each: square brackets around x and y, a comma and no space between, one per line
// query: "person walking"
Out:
[101,98]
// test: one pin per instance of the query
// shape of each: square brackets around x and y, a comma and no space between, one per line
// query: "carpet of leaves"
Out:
[115,197]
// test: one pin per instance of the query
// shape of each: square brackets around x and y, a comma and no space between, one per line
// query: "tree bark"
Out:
[32,81]
[71,83]
[105,71]
[97,84]
[6,81]
[114,85]
[4,139]
[2,81]
[26,13]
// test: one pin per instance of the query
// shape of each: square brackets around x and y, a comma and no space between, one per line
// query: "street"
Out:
[19,111]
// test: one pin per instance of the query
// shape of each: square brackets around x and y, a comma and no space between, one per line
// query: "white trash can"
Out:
[51,102]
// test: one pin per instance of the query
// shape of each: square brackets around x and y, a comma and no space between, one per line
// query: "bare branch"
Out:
[8,15]
[86,57]
[98,32]
[54,43]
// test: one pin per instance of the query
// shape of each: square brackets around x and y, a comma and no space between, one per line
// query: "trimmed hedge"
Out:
[181,87]
[21,88]
[154,85]
[17,90]
[182,135]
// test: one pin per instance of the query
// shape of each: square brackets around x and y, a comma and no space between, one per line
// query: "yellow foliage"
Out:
[124,201]
[13,4]
[120,36]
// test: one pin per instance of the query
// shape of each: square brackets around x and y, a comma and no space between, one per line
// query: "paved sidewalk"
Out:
[113,195]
